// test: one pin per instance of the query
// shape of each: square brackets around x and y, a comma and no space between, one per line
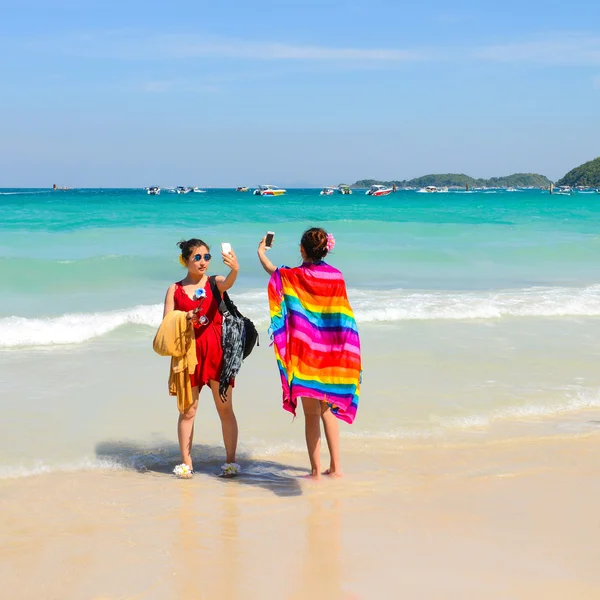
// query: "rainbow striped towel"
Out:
[315,338]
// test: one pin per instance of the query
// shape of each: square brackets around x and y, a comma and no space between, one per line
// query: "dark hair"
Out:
[314,242]
[186,246]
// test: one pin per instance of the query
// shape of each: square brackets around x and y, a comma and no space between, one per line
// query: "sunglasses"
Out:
[199,257]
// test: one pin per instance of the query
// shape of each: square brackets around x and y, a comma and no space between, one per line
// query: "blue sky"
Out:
[135,93]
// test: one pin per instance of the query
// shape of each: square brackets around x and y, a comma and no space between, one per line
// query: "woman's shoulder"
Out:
[173,287]
[327,271]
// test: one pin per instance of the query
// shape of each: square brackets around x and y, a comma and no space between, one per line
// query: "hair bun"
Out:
[314,242]
[186,246]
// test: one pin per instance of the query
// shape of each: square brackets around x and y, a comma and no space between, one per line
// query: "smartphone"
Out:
[269,239]
[225,247]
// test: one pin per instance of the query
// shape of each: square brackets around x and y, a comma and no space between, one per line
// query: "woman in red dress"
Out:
[194,296]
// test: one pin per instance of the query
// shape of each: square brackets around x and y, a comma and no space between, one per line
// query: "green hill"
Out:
[462,180]
[587,174]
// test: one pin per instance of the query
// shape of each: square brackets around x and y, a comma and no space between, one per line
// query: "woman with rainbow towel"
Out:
[316,344]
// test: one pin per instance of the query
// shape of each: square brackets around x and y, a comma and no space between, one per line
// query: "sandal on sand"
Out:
[183,471]
[230,470]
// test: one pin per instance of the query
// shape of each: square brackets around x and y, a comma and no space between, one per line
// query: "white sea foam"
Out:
[73,328]
[41,467]
[369,306]
[399,305]
[571,404]
[24,193]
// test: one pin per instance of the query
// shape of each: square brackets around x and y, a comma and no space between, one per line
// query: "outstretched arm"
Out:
[225,283]
[267,265]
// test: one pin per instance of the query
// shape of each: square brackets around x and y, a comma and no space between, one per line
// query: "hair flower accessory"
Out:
[182,261]
[330,242]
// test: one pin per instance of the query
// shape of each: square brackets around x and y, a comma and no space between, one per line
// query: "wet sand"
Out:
[496,519]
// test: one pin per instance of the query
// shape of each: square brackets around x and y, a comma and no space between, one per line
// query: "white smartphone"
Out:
[225,247]
[269,239]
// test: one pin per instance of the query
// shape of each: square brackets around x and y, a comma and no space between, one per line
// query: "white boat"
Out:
[564,190]
[344,189]
[183,190]
[432,189]
[269,190]
[153,191]
[378,190]
[327,191]
[197,190]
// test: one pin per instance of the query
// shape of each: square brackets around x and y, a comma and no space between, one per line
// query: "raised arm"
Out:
[225,283]
[267,265]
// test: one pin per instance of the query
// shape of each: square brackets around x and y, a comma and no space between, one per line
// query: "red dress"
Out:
[209,349]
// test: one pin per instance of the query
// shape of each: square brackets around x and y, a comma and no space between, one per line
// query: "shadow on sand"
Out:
[280,479]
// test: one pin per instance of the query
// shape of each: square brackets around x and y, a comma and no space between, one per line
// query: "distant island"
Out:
[462,181]
[587,175]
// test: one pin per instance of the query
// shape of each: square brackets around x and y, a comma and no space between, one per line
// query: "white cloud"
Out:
[250,50]
[156,86]
[160,87]
[560,49]
[132,46]
[553,49]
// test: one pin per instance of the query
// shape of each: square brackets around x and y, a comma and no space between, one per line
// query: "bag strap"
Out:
[225,303]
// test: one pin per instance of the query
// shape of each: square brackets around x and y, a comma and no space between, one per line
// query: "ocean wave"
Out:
[571,404]
[42,467]
[73,328]
[24,193]
[254,452]
[399,305]
[369,306]
[161,458]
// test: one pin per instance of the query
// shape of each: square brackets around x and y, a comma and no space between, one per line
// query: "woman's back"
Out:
[315,337]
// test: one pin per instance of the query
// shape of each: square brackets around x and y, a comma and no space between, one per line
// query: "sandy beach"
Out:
[505,519]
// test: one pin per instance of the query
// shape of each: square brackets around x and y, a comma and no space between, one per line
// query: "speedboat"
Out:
[153,191]
[327,191]
[269,190]
[197,190]
[241,189]
[344,189]
[430,189]
[564,190]
[183,190]
[379,190]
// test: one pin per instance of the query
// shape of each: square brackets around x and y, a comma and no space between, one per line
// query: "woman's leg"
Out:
[312,430]
[228,421]
[185,429]
[332,434]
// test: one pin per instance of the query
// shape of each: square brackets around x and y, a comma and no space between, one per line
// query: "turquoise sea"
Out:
[474,307]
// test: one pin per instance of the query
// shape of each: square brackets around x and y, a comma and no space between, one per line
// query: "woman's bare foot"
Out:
[334,474]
